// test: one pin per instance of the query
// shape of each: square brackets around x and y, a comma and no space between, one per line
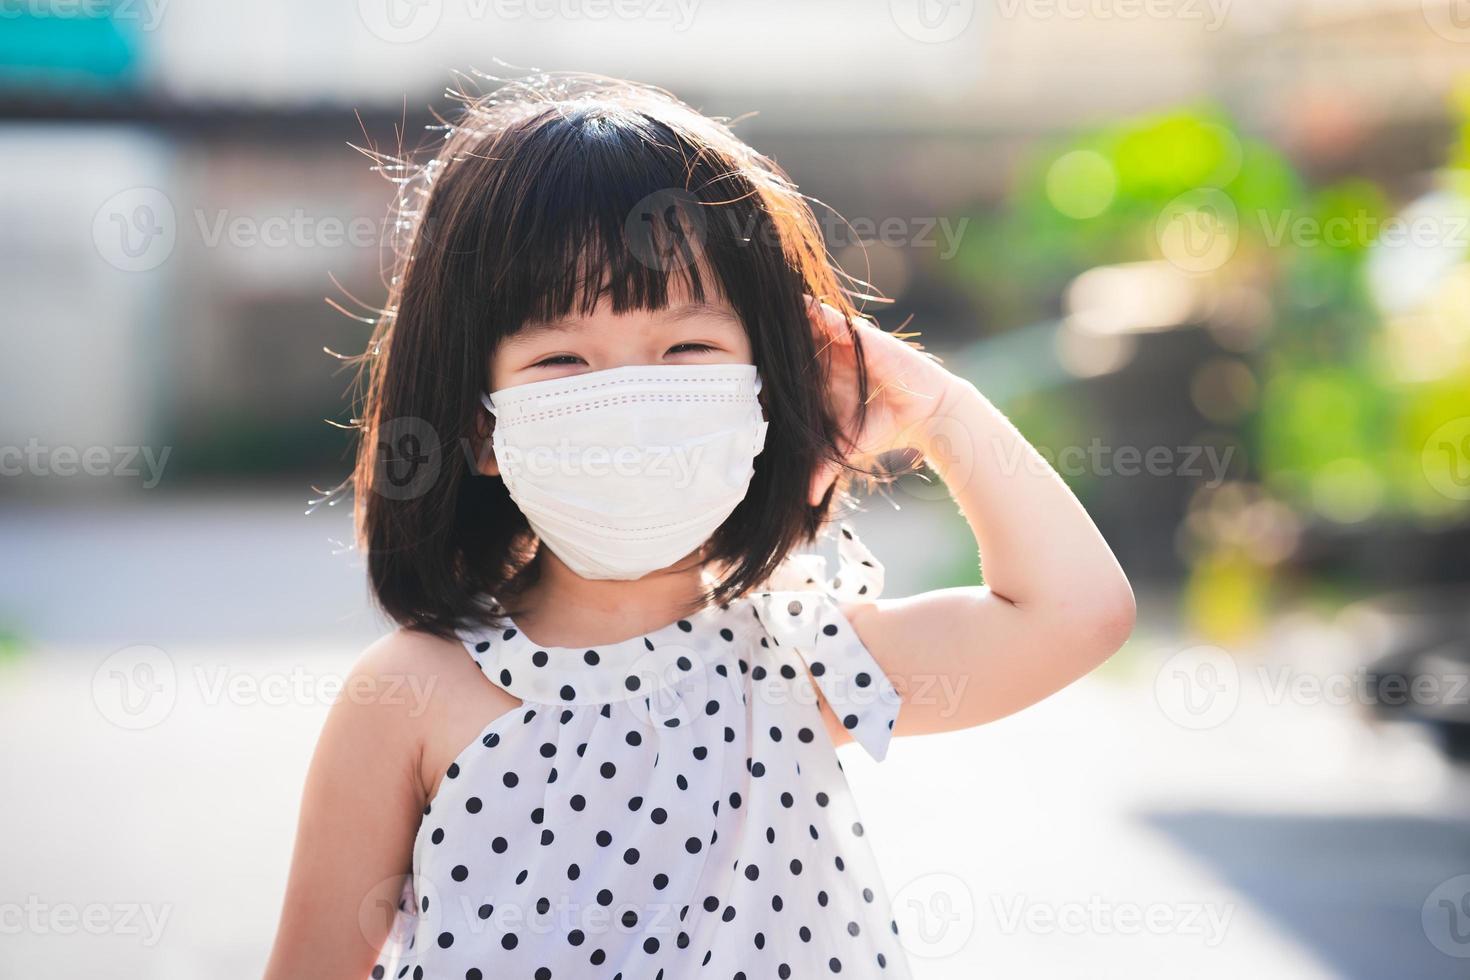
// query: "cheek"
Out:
[493,380]
[744,349]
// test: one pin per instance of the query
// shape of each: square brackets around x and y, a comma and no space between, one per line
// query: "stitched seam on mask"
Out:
[634,530]
[622,400]
[644,379]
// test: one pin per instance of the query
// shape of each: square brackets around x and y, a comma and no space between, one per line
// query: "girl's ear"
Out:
[485,462]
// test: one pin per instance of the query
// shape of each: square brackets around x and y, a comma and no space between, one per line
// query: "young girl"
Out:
[617,386]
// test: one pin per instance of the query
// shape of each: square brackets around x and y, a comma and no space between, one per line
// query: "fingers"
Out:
[830,324]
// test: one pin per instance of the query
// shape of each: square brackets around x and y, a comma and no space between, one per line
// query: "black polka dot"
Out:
[791,771]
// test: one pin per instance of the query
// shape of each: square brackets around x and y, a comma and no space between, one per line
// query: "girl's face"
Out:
[683,332]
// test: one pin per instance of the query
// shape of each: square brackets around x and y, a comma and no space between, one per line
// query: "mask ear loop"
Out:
[489,407]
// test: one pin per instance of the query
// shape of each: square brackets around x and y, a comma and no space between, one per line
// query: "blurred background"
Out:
[1213,257]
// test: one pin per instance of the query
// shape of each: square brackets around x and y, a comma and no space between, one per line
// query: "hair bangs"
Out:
[547,197]
[600,202]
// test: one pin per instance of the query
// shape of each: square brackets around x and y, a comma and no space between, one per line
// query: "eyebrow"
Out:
[673,315]
[688,311]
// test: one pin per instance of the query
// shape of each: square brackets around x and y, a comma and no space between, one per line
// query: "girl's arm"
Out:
[359,814]
[1055,603]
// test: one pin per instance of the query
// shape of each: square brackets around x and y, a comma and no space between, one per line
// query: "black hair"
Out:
[549,193]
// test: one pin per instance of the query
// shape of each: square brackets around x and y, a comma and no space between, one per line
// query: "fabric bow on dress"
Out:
[799,608]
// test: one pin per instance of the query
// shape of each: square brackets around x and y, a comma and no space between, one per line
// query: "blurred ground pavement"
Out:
[1105,833]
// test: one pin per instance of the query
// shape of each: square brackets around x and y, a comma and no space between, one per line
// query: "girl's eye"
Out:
[690,348]
[558,360]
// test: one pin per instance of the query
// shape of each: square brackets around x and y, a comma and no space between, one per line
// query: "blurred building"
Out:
[188,194]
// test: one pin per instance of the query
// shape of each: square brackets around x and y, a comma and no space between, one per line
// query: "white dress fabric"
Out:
[666,806]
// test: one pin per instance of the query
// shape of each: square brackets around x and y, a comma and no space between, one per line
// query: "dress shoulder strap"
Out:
[799,608]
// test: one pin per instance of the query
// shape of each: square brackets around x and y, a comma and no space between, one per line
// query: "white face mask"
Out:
[625,471]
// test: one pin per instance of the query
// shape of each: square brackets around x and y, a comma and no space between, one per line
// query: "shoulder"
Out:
[431,674]
[443,700]
[408,652]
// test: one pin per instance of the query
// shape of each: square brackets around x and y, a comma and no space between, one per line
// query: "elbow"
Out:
[1098,624]
[1110,620]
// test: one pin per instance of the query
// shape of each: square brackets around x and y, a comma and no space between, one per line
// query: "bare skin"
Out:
[1056,605]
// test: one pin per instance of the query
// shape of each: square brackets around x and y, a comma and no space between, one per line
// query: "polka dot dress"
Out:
[666,806]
